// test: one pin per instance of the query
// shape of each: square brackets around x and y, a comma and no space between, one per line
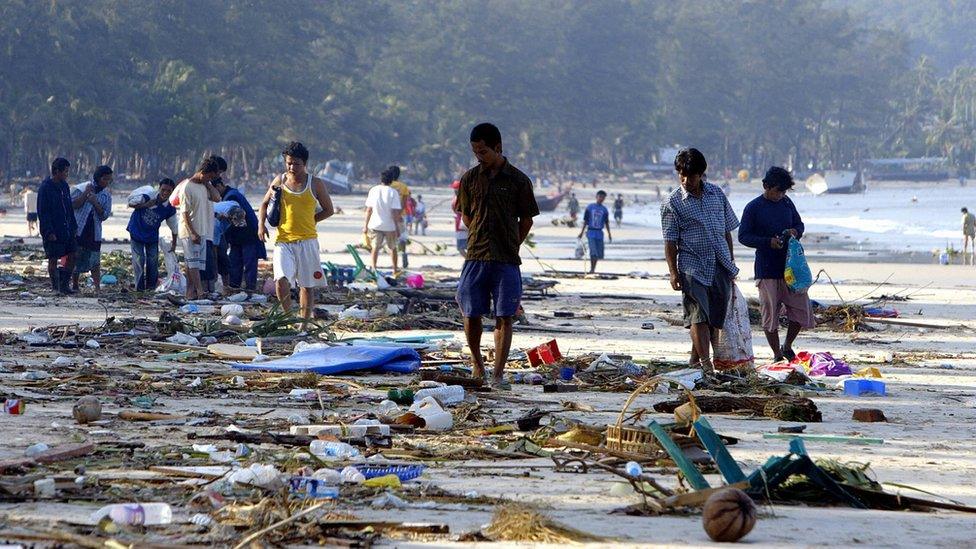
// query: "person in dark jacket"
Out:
[768,222]
[56,217]
[244,246]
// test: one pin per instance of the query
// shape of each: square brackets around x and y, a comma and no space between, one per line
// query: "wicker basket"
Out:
[637,440]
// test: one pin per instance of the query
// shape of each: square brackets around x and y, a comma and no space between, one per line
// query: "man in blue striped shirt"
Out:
[697,221]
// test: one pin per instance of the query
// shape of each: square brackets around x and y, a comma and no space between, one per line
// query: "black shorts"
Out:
[55,249]
[32,217]
[706,304]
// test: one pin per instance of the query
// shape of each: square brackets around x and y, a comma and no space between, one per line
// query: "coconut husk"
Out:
[519,522]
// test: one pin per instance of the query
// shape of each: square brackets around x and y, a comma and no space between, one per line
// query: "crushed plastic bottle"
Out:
[332,451]
[447,394]
[135,514]
[351,475]
[231,309]
[35,450]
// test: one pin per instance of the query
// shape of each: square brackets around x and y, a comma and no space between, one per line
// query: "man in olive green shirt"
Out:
[497,205]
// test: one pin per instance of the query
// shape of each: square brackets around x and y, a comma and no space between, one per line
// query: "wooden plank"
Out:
[694,499]
[232,352]
[691,472]
[129,415]
[172,346]
[912,323]
[210,472]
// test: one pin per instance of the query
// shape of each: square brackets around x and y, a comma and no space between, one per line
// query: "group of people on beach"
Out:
[220,235]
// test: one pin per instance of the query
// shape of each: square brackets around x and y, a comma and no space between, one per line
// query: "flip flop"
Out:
[501,385]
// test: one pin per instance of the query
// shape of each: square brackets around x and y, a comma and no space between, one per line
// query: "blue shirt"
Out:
[54,212]
[698,227]
[761,221]
[596,217]
[144,224]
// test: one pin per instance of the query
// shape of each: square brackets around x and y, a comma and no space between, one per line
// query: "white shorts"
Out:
[299,262]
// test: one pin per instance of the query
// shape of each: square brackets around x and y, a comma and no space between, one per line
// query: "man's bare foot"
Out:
[478,371]
[706,366]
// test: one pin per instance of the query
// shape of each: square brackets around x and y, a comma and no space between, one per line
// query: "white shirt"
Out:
[384,200]
[194,198]
[30,201]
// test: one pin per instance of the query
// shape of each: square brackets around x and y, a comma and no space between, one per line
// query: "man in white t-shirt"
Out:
[195,198]
[30,208]
[382,223]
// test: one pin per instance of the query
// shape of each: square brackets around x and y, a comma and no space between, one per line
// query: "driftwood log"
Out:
[783,408]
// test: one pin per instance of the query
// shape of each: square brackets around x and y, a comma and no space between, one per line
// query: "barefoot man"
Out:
[497,205]
[698,221]
[296,252]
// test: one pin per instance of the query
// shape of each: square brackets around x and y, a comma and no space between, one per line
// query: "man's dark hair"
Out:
[100,172]
[209,165]
[59,165]
[601,193]
[220,162]
[386,176]
[486,132]
[964,210]
[296,150]
[166,181]
[690,162]
[778,178]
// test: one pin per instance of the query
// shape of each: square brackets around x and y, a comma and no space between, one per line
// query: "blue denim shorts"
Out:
[489,285]
[596,246]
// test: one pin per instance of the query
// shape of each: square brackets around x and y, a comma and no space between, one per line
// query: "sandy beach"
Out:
[930,374]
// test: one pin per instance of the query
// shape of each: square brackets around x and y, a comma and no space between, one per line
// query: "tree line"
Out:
[149,86]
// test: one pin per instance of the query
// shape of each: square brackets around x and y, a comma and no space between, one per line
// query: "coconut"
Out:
[729,515]
[87,409]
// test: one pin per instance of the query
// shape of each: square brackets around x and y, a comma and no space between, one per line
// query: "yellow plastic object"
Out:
[385,481]
[743,175]
[868,371]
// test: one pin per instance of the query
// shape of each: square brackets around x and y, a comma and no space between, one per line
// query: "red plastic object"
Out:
[547,353]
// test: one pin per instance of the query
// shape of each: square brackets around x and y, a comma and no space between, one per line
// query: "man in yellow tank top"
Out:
[296,252]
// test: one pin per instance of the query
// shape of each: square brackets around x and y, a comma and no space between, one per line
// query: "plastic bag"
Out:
[732,345]
[580,249]
[171,263]
[174,281]
[141,195]
[798,276]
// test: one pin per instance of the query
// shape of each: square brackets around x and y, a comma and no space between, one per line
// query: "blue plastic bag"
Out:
[343,359]
[798,275]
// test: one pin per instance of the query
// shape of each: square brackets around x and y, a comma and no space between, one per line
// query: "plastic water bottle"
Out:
[330,477]
[331,451]
[448,394]
[351,475]
[136,514]
[633,469]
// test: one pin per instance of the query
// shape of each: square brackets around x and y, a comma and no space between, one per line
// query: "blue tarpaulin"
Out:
[342,359]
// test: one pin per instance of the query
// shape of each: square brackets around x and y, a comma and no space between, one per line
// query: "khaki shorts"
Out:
[776,298]
[377,239]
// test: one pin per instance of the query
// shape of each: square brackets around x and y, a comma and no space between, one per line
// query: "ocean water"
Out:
[898,217]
